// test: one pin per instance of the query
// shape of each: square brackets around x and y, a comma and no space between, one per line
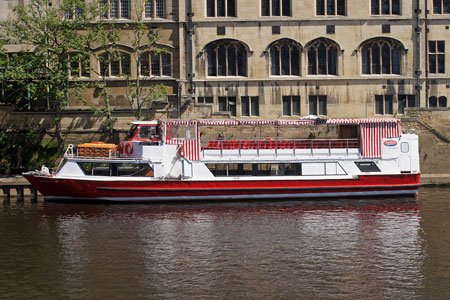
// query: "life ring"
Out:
[129,149]
[120,148]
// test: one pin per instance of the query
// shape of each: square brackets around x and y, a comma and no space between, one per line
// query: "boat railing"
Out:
[280,144]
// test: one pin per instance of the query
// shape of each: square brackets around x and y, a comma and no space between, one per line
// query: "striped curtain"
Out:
[372,135]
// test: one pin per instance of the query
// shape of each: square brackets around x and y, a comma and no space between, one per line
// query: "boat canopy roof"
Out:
[152,122]
[310,120]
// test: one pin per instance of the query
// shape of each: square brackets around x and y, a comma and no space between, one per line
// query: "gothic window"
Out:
[317,105]
[381,56]
[227,104]
[322,58]
[330,7]
[78,65]
[441,6]
[221,8]
[115,9]
[284,59]
[155,9]
[276,8]
[115,66]
[226,58]
[436,57]
[291,105]
[385,7]
[153,64]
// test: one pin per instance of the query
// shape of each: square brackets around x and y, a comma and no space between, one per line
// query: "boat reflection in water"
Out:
[328,249]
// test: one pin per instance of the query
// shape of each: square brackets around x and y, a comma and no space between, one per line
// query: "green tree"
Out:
[55,44]
[141,92]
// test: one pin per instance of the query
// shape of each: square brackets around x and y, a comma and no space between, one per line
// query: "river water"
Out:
[347,249]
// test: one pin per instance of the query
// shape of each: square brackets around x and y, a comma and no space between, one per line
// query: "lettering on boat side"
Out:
[390,143]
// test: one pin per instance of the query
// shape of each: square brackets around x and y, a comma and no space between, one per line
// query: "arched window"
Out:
[432,102]
[79,65]
[153,64]
[381,56]
[110,66]
[284,58]
[442,101]
[322,57]
[226,58]
[155,9]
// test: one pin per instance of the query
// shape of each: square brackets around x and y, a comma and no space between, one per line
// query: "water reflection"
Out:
[270,250]
[325,249]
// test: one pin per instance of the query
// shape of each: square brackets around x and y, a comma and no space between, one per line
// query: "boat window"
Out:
[116,169]
[132,131]
[100,169]
[86,167]
[367,166]
[287,169]
[404,147]
[148,132]
[128,169]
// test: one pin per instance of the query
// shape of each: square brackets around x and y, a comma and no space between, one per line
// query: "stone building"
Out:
[285,59]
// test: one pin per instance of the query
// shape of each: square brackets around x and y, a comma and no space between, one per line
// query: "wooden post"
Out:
[19,190]
[6,193]
[34,195]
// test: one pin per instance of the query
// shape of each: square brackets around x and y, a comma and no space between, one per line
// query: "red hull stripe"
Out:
[413,186]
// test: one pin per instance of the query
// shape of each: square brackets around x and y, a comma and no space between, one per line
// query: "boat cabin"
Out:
[146,131]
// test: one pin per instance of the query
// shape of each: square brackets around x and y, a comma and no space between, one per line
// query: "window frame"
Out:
[380,3]
[149,61]
[293,63]
[316,108]
[436,57]
[291,101]
[406,100]
[229,107]
[267,8]
[73,12]
[83,69]
[120,10]
[387,104]
[222,66]
[228,12]
[314,65]
[323,7]
[120,62]
[443,9]
[151,9]
[252,105]
[378,60]
[205,100]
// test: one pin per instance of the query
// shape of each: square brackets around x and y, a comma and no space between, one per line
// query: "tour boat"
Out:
[172,160]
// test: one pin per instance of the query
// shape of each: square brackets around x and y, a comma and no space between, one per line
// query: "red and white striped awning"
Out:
[363,121]
[218,122]
[205,122]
